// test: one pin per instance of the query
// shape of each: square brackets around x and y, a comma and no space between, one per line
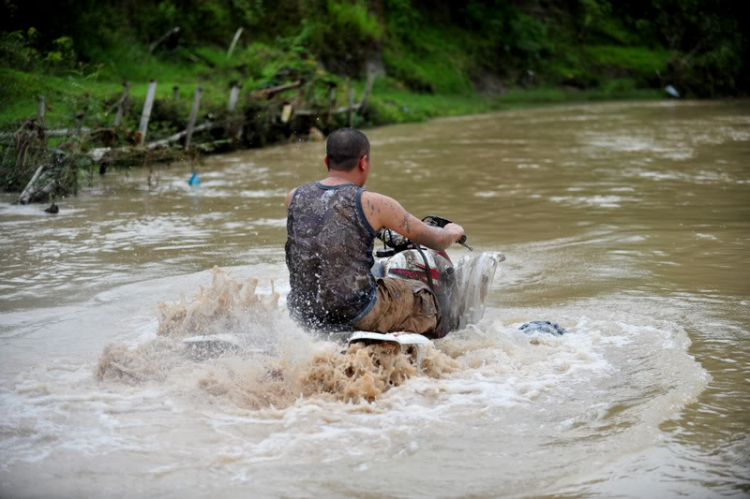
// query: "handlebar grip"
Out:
[436,221]
[462,242]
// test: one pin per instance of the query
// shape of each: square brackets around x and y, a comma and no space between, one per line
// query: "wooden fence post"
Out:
[366,94]
[286,112]
[169,34]
[123,103]
[350,89]
[234,94]
[175,93]
[234,42]
[29,189]
[40,107]
[299,97]
[79,123]
[193,115]
[331,103]
[146,115]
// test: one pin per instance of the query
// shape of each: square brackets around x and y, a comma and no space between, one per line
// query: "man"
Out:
[331,227]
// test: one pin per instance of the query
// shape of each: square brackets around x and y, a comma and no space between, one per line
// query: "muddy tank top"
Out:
[329,256]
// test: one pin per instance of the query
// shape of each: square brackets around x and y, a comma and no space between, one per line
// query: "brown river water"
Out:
[628,224]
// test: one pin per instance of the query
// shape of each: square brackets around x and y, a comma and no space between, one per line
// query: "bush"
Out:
[16,50]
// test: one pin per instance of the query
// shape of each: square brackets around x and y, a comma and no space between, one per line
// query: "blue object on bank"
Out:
[194,180]
[672,91]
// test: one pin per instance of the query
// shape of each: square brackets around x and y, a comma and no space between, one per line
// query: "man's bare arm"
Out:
[383,211]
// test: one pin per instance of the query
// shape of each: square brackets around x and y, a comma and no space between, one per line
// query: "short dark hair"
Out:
[345,147]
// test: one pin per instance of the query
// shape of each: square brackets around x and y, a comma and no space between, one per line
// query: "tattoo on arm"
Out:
[405,223]
[395,217]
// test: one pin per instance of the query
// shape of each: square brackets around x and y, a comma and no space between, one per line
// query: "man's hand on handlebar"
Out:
[455,230]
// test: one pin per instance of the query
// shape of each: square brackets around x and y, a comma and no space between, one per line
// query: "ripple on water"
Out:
[610,201]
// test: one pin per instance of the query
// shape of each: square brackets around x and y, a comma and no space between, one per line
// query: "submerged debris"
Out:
[542,327]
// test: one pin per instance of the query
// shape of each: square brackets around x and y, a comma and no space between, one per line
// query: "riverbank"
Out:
[98,125]
[137,82]
[391,102]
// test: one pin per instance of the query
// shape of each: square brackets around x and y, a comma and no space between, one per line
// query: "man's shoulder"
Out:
[301,188]
[374,196]
[377,199]
[290,195]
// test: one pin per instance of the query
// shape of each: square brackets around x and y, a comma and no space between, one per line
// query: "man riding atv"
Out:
[331,228]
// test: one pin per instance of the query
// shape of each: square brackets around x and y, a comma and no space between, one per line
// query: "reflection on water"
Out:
[627,223]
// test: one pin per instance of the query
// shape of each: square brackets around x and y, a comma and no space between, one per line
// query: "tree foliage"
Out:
[440,45]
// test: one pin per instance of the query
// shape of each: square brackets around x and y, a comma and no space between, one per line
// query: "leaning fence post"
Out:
[175,92]
[79,123]
[331,103]
[234,42]
[193,115]
[146,115]
[40,107]
[234,94]
[123,103]
[366,94]
[351,102]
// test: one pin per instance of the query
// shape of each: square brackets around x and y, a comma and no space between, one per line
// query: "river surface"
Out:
[628,224]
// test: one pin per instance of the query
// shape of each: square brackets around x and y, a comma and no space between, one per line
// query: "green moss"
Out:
[642,60]
[354,16]
[437,60]
[612,29]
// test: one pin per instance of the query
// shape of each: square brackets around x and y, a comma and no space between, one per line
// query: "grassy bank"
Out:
[434,59]
[441,57]
[95,97]
[390,101]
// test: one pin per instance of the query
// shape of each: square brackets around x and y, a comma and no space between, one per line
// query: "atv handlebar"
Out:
[441,222]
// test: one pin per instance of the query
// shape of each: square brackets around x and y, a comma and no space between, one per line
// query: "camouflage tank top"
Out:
[329,256]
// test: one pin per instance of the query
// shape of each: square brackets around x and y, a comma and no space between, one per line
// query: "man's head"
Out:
[346,148]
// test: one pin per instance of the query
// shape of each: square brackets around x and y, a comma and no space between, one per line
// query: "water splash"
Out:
[276,376]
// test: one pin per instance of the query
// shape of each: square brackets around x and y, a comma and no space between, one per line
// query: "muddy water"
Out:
[629,224]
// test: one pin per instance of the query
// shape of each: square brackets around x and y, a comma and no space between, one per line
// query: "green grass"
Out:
[94,89]
[615,90]
[430,77]
[613,30]
[641,60]
[391,103]
[431,67]
[439,60]
[443,64]
[355,16]
[63,96]
[94,95]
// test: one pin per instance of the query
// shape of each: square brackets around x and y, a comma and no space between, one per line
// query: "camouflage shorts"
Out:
[402,305]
